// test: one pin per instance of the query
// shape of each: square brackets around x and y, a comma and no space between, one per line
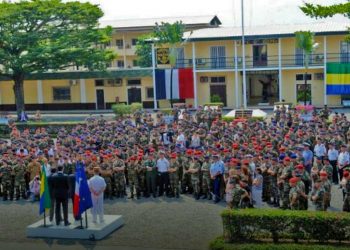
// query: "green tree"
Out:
[167,34]
[320,11]
[306,42]
[42,35]
[144,50]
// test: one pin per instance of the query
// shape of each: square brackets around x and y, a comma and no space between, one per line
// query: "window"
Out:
[61,93]
[135,63]
[302,95]
[134,82]
[120,64]
[180,58]
[319,76]
[119,43]
[149,93]
[99,83]
[344,52]
[134,42]
[300,77]
[218,56]
[217,79]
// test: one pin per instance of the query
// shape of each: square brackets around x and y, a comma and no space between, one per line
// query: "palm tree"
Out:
[306,42]
[170,34]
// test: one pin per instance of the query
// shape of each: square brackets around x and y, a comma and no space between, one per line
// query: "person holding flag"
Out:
[45,200]
[82,195]
[97,187]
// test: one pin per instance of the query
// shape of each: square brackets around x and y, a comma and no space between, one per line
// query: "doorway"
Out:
[100,99]
[219,90]
[134,95]
[262,88]
[259,55]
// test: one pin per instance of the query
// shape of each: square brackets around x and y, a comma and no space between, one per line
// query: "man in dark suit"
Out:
[60,186]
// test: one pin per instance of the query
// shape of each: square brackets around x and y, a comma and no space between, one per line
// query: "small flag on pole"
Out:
[82,195]
[45,201]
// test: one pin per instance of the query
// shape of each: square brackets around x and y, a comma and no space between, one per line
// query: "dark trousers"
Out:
[335,171]
[341,173]
[151,183]
[217,184]
[164,183]
[64,203]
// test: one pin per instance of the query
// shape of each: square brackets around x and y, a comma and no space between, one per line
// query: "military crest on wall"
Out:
[163,56]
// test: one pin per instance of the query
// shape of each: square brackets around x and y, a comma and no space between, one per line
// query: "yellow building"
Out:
[274,68]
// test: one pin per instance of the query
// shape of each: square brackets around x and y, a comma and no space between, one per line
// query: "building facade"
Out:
[274,68]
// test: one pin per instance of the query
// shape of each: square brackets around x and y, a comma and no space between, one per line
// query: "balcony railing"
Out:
[262,61]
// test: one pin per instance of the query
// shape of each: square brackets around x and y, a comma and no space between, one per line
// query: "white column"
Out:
[325,101]
[39,85]
[280,69]
[243,60]
[82,91]
[154,76]
[236,77]
[194,74]
[124,51]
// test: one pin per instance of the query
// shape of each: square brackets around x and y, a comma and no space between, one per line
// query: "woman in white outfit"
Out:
[97,187]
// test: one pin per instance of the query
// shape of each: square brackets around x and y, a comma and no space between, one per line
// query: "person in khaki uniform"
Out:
[19,170]
[206,181]
[119,176]
[194,171]
[34,168]
[174,176]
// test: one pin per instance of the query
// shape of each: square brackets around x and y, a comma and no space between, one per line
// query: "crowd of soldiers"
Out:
[292,161]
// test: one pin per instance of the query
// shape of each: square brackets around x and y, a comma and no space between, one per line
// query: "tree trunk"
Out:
[305,88]
[18,89]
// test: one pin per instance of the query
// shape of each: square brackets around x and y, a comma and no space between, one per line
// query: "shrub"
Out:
[215,98]
[219,103]
[253,224]
[121,109]
[136,106]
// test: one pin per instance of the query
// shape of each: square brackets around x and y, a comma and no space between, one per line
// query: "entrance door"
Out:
[219,90]
[134,95]
[100,99]
[259,55]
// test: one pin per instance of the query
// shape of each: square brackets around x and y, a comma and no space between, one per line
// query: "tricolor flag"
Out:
[82,194]
[182,84]
[45,201]
[338,78]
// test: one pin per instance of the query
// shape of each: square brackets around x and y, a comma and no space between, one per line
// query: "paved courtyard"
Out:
[160,223]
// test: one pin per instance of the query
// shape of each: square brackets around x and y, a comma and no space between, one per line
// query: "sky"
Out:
[256,12]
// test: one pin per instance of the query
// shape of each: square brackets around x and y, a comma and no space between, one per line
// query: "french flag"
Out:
[182,84]
[82,194]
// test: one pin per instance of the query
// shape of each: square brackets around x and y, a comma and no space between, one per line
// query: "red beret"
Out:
[293,180]
[300,166]
[287,159]
[346,173]
[323,173]
[173,156]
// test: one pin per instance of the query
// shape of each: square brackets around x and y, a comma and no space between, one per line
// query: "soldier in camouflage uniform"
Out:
[272,172]
[294,196]
[286,175]
[238,193]
[346,188]
[151,175]
[327,167]
[186,184]
[206,181]
[6,181]
[106,173]
[317,196]
[133,168]
[19,171]
[326,185]
[194,171]
[119,176]
[174,176]
[267,186]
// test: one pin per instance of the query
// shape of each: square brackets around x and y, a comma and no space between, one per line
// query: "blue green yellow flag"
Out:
[338,78]
[45,201]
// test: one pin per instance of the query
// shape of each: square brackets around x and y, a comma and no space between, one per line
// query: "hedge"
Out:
[220,104]
[220,244]
[255,224]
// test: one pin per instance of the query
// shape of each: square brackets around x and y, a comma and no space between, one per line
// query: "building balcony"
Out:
[262,62]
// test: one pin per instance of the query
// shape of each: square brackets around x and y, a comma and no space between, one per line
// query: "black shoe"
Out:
[217,200]
[67,224]
[154,196]
[118,195]
[131,197]
[4,198]
[205,197]
[210,197]
[177,195]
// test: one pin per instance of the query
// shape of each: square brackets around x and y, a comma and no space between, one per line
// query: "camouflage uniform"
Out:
[195,177]
[286,175]
[303,202]
[186,183]
[274,187]
[106,173]
[237,193]
[6,181]
[346,204]
[294,198]
[19,171]
[133,179]
[174,178]
[119,177]
[319,202]
[267,185]
[327,193]
[206,181]
[151,177]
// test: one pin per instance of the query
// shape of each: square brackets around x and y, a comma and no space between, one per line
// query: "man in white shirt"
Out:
[97,187]
[181,140]
[320,149]
[343,160]
[163,168]
[333,159]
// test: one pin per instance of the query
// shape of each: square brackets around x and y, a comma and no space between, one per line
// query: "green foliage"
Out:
[220,104]
[319,11]
[41,35]
[215,98]
[305,40]
[301,96]
[136,106]
[254,224]
[144,51]
[220,244]
[121,109]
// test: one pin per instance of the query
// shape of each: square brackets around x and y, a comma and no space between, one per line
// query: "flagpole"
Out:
[86,220]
